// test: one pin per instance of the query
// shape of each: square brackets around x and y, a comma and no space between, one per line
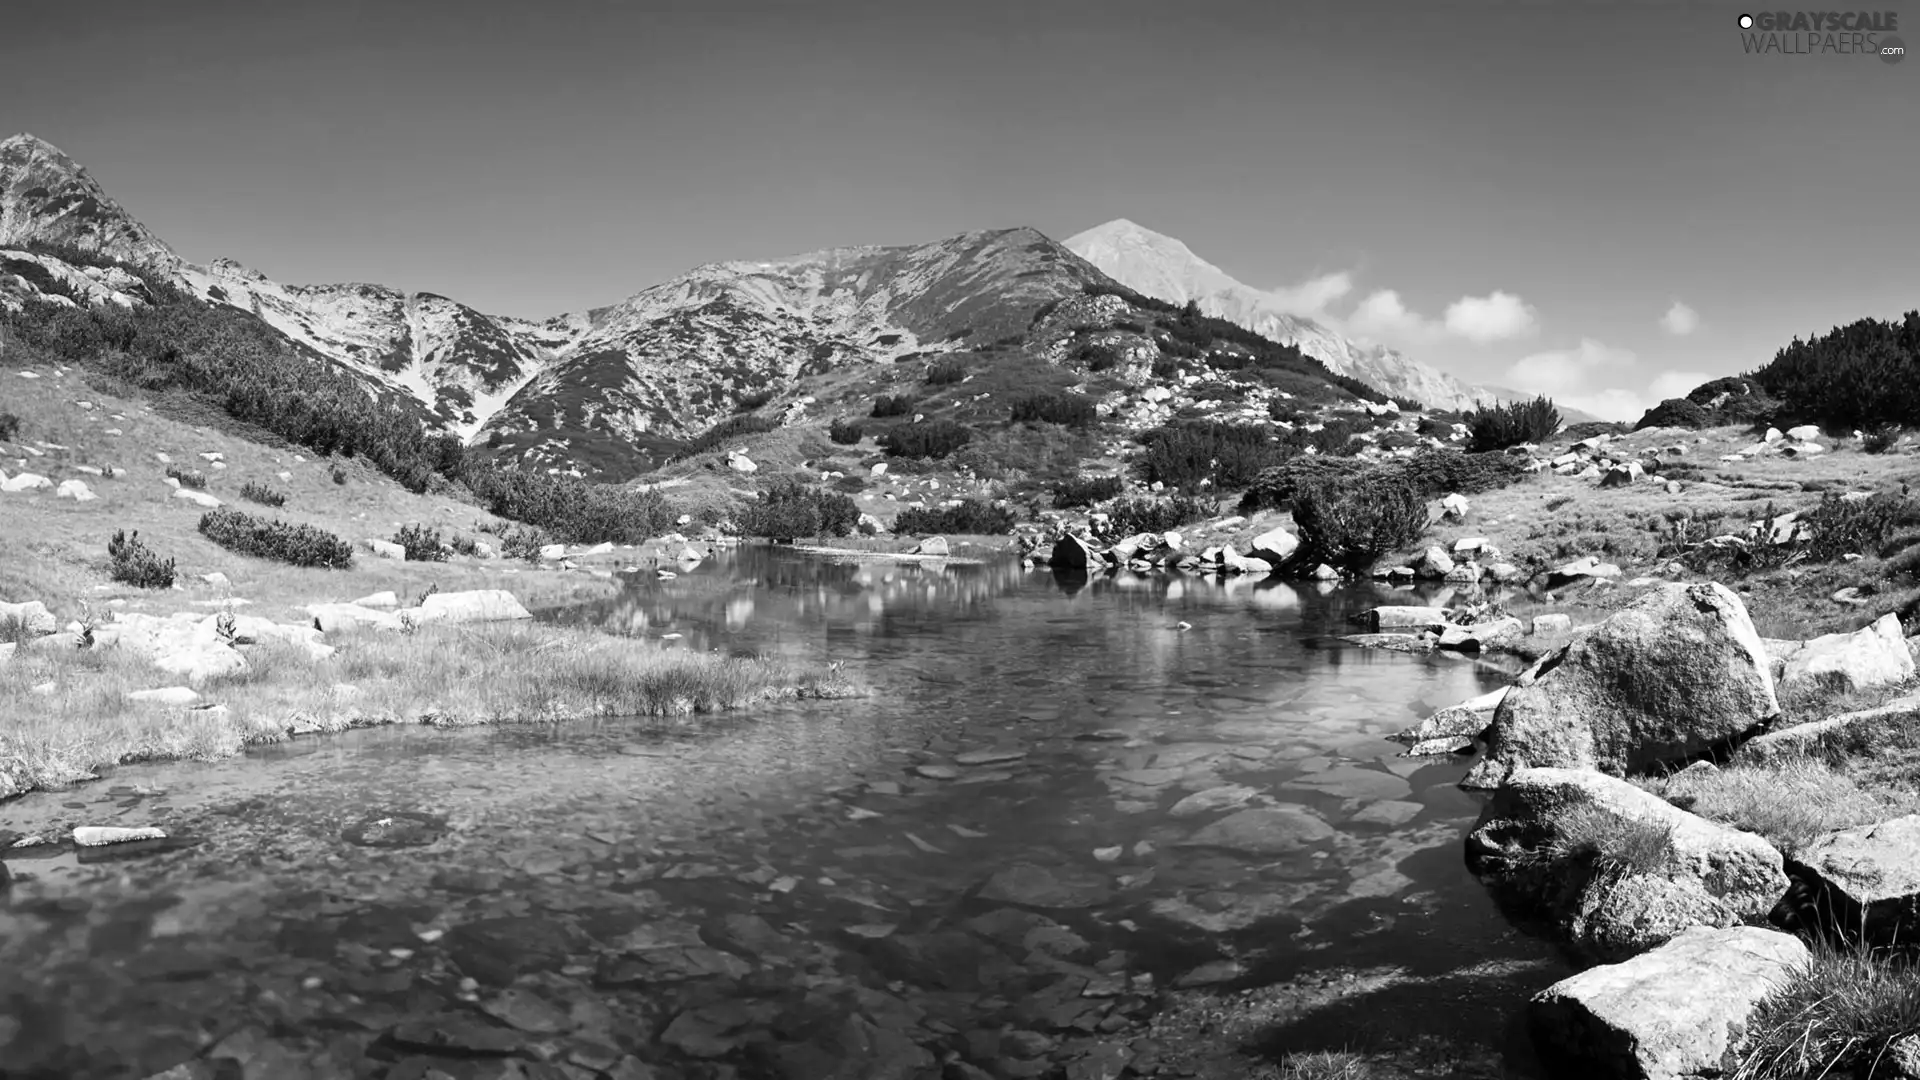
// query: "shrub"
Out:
[751,401]
[1231,455]
[933,439]
[262,494]
[1166,368]
[573,510]
[1851,377]
[973,516]
[1675,412]
[1861,526]
[1099,357]
[1130,516]
[891,405]
[522,542]
[340,476]
[464,545]
[1496,427]
[1876,440]
[1277,487]
[731,429]
[1335,437]
[1053,407]
[789,510]
[1086,490]
[945,373]
[422,544]
[845,432]
[1350,526]
[9,426]
[1442,472]
[300,545]
[188,478]
[136,564]
[1837,1017]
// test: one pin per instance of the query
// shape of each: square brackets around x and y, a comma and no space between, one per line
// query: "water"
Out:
[803,886]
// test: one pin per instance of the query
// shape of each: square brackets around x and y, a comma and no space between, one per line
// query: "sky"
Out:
[1607,202]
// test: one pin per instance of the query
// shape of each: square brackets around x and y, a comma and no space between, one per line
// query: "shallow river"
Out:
[1055,806]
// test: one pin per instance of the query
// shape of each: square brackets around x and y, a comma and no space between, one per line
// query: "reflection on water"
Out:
[1055,802]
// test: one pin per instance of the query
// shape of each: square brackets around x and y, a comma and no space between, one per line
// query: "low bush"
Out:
[1144,515]
[1335,438]
[422,544]
[1877,440]
[845,432]
[1098,357]
[1443,472]
[1675,413]
[463,545]
[752,401]
[1860,526]
[1184,453]
[1167,368]
[136,564]
[1086,490]
[1350,526]
[976,517]
[262,494]
[932,439]
[522,542]
[188,478]
[891,405]
[1277,487]
[1496,427]
[299,545]
[1053,407]
[732,429]
[789,510]
[340,476]
[9,426]
[945,373]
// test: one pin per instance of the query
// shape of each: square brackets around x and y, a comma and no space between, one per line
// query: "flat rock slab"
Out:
[1671,1013]
[1869,877]
[1270,831]
[1215,798]
[989,757]
[1354,782]
[1031,885]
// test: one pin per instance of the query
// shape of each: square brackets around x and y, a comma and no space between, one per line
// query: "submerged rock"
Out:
[396,829]
[1031,885]
[1269,831]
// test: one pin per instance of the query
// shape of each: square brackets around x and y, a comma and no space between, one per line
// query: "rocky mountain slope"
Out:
[1163,267]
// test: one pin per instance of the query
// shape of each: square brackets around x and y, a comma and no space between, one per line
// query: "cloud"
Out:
[1577,378]
[1498,316]
[1312,296]
[1680,320]
[1382,314]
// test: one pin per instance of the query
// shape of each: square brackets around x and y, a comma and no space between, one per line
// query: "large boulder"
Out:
[334,618]
[32,619]
[1678,1011]
[1274,547]
[477,605]
[1802,739]
[1867,879]
[1874,656]
[1390,617]
[1072,552]
[932,545]
[1540,813]
[250,630]
[1615,916]
[1679,672]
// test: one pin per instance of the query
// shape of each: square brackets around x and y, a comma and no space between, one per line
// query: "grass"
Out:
[1617,844]
[1790,803]
[1838,1017]
[1326,1065]
[447,676]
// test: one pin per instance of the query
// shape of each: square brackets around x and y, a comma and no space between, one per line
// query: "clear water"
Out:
[790,888]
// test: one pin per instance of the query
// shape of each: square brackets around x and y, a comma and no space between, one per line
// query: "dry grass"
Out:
[449,676]
[1790,803]
[1837,1018]
[1613,843]
[1326,1065]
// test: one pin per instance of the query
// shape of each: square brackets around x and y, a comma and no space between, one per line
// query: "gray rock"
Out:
[477,605]
[1868,878]
[1271,831]
[1876,655]
[1800,739]
[1031,885]
[1390,617]
[1469,717]
[1616,917]
[1556,623]
[30,618]
[932,545]
[1434,564]
[1679,671]
[1214,798]
[1677,1011]
[1274,547]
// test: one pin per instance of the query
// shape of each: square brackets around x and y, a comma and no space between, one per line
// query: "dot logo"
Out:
[1746,22]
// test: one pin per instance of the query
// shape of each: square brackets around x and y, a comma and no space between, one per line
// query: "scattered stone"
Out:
[937,772]
[197,498]
[1554,624]
[1868,878]
[1269,831]
[24,482]
[1385,618]
[1031,885]
[100,835]
[1873,656]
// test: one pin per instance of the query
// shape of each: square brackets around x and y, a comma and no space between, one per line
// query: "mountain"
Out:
[1163,267]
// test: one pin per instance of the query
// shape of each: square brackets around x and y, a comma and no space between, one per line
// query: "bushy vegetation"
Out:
[1859,526]
[1335,437]
[1086,490]
[1145,515]
[887,405]
[1184,453]
[789,510]
[945,373]
[299,545]
[1098,357]
[9,426]
[1675,413]
[1350,526]
[1853,376]
[976,517]
[1277,487]
[1053,407]
[1837,1017]
[574,511]
[732,429]
[262,494]
[188,478]
[1430,473]
[133,562]
[522,542]
[1444,472]
[421,543]
[1496,427]
[931,439]
[845,432]
[1879,439]
[751,401]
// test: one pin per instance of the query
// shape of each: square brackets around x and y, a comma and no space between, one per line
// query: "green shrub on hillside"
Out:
[1130,516]
[1859,526]
[299,545]
[845,432]
[522,542]
[1184,453]
[1350,526]
[733,428]
[1335,438]
[790,510]
[931,439]
[973,517]
[1853,376]
[891,405]
[133,562]
[9,426]
[422,544]
[1675,413]
[1053,407]
[1444,472]
[1277,487]
[188,478]
[1086,490]
[262,494]
[1496,427]
[945,373]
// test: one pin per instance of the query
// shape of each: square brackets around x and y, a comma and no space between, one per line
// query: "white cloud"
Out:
[1383,315]
[1680,320]
[1588,378]
[1311,297]
[1498,316]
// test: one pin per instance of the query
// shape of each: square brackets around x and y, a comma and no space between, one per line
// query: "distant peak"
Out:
[30,142]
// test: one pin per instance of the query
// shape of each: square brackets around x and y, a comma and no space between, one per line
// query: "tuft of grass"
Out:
[1615,843]
[1790,803]
[1837,1017]
[442,675]
[1326,1065]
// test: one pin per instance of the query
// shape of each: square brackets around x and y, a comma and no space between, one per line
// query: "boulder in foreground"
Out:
[1874,656]
[477,605]
[1679,672]
[1675,1012]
